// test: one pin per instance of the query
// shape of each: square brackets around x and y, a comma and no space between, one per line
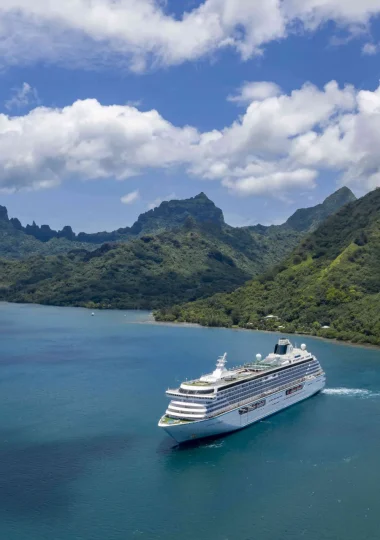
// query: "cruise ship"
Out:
[228,400]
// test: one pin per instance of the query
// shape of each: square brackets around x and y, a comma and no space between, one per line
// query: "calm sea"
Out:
[81,457]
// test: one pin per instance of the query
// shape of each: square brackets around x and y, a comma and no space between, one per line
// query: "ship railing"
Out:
[252,398]
[170,392]
[262,395]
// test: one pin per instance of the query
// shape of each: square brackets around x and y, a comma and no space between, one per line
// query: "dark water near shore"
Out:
[81,457]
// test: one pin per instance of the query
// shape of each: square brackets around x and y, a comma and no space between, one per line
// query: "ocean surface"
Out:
[82,458]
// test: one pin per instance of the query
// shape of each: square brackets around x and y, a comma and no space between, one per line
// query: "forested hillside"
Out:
[16,244]
[331,279]
[17,241]
[190,253]
[145,273]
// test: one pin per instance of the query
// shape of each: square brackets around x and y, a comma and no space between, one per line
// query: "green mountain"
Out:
[308,219]
[167,216]
[274,242]
[16,244]
[201,256]
[172,214]
[145,273]
[330,280]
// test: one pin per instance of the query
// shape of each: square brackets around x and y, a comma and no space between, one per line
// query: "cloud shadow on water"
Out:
[36,481]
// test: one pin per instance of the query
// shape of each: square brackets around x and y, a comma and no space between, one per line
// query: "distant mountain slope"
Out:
[167,216]
[145,273]
[15,244]
[17,241]
[200,257]
[332,279]
[308,219]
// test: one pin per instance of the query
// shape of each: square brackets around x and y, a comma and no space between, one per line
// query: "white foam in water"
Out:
[353,392]
[214,445]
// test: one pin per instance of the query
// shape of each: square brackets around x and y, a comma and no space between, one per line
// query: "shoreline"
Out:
[152,321]
[237,329]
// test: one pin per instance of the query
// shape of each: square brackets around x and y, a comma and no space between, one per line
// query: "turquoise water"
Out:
[81,457]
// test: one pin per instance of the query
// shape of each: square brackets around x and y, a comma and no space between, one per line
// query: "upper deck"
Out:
[284,355]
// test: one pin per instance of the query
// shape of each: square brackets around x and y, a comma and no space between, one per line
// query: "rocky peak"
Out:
[308,219]
[172,214]
[3,213]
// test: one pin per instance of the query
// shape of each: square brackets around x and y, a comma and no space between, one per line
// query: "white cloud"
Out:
[131,197]
[159,200]
[141,31]
[345,12]
[370,49]
[87,140]
[279,182]
[22,97]
[280,143]
[255,91]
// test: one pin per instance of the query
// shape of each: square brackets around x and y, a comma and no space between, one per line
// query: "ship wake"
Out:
[351,392]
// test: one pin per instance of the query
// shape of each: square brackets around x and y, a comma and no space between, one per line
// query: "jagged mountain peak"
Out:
[202,195]
[174,213]
[308,219]
[3,213]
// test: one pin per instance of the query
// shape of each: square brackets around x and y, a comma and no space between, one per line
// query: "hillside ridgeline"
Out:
[17,242]
[330,280]
[200,256]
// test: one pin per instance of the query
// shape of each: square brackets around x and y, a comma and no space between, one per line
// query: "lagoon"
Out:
[82,458]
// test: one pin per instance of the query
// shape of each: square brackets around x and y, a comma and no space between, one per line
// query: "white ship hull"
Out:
[234,420]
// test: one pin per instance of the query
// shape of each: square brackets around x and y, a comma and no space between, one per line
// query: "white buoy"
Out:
[92,314]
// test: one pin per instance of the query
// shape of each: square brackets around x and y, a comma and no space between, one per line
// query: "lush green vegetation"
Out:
[168,215]
[17,242]
[331,279]
[189,254]
[145,273]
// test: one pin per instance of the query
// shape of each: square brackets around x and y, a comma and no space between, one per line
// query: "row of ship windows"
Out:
[290,370]
[245,409]
[264,382]
[243,395]
[185,412]
[295,389]
[191,404]
[240,396]
[249,388]
[251,407]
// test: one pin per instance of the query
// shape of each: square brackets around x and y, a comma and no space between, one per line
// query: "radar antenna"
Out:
[219,371]
[221,362]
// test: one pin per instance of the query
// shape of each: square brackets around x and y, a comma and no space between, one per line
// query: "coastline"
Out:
[237,329]
[150,320]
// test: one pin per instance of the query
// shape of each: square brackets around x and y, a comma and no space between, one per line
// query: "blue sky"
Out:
[272,154]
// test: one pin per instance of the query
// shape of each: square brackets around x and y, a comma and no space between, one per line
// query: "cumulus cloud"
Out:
[139,31]
[370,49]
[87,140]
[22,97]
[255,91]
[131,197]
[281,142]
[278,181]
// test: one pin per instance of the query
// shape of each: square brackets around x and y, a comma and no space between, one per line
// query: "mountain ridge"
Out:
[195,259]
[328,286]
[169,215]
